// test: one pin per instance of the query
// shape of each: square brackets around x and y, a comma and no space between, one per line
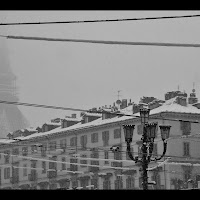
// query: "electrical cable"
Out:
[103,41]
[99,20]
[90,111]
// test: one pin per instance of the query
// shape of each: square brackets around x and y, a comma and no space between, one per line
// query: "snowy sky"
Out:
[80,75]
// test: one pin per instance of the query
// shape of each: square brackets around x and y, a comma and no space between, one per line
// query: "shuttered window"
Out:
[186,148]
[105,138]
[185,127]
[83,141]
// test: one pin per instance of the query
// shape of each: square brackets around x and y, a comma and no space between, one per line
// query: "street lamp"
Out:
[148,136]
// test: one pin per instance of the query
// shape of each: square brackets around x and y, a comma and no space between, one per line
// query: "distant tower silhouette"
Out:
[192,99]
[11,118]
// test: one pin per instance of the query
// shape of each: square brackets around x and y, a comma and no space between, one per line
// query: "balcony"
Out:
[14,180]
[52,174]
[33,177]
[116,164]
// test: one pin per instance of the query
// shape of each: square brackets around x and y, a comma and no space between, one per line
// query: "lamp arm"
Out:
[164,151]
[130,154]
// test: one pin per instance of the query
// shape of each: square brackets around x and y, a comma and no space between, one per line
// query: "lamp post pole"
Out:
[149,132]
[144,161]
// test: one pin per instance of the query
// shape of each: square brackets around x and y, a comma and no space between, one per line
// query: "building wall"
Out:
[174,148]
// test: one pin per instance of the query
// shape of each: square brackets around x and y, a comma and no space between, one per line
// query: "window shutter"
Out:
[107,135]
[181,125]
[184,149]
[85,140]
[103,136]
[92,137]
[96,137]
[82,140]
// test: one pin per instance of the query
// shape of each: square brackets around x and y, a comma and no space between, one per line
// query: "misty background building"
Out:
[11,118]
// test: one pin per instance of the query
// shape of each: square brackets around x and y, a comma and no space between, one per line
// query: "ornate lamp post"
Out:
[149,132]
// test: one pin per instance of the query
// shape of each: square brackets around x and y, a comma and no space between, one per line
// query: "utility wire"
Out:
[103,41]
[82,110]
[100,20]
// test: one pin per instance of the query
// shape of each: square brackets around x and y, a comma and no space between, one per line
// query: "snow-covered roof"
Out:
[6,141]
[73,119]
[169,106]
[53,123]
[78,126]
[92,114]
[172,106]
[31,129]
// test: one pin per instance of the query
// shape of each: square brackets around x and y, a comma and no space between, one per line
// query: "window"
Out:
[33,149]
[7,156]
[84,183]
[105,138]
[6,173]
[43,150]
[63,144]
[118,154]
[185,127]
[117,133]
[94,137]
[52,145]
[106,156]
[15,151]
[73,141]
[74,183]
[44,167]
[63,164]
[95,154]
[83,161]
[25,170]
[106,184]
[140,129]
[33,163]
[83,141]
[94,181]
[118,183]
[127,156]
[187,174]
[24,151]
[73,167]
[186,148]
[130,183]
[53,165]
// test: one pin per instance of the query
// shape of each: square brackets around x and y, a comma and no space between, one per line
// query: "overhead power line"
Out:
[82,110]
[100,20]
[103,41]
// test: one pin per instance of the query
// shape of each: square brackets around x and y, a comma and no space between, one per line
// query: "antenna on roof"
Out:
[178,87]
[193,90]
[118,100]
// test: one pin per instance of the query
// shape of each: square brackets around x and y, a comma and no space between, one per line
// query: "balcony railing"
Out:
[52,174]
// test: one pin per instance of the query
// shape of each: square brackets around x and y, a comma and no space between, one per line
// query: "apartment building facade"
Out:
[78,155]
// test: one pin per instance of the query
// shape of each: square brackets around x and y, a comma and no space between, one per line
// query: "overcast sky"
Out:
[80,75]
